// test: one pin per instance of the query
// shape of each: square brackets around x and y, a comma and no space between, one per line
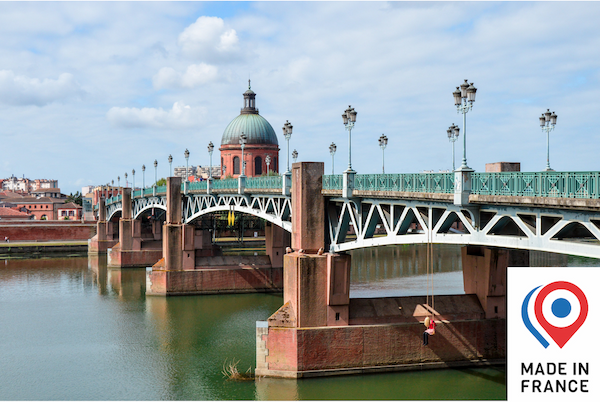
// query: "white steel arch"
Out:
[378,222]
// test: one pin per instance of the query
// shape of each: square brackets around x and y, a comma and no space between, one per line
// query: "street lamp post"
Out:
[383,141]
[453,132]
[287,133]
[155,180]
[332,149]
[143,177]
[211,148]
[118,181]
[133,176]
[349,117]
[126,181]
[155,173]
[463,100]
[268,162]
[170,165]
[187,157]
[295,155]
[548,122]
[243,139]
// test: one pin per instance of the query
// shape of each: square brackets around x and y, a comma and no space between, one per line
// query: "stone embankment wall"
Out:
[43,231]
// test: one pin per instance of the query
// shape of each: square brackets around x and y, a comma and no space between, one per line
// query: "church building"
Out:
[261,142]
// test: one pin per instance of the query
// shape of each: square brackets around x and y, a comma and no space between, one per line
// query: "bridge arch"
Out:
[272,208]
[381,222]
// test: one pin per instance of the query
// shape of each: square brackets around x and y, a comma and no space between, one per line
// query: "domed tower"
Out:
[261,142]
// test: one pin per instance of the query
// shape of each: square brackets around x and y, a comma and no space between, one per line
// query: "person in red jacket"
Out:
[429,331]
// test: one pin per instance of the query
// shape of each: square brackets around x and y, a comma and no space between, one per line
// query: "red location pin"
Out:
[561,335]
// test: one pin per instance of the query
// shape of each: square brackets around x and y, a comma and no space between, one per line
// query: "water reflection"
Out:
[390,271]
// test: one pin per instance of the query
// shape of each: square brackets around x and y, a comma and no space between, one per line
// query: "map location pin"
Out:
[561,335]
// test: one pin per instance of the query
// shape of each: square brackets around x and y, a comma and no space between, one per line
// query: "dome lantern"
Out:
[249,101]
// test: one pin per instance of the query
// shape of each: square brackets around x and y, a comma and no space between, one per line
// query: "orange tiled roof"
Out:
[13,213]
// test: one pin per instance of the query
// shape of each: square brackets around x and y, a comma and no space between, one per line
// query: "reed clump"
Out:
[231,372]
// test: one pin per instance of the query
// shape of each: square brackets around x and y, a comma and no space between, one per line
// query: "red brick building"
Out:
[261,141]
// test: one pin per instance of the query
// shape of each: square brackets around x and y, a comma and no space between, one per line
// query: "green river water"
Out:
[73,329]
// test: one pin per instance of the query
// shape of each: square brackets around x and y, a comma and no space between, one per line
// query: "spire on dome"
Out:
[249,101]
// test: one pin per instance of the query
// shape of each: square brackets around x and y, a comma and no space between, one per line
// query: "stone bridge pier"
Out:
[133,250]
[321,331]
[105,232]
[191,265]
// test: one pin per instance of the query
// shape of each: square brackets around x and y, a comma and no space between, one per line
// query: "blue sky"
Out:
[89,91]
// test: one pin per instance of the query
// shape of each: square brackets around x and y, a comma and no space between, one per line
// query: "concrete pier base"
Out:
[104,237]
[132,258]
[463,338]
[248,277]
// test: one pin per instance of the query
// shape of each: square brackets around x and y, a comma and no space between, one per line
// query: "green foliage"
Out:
[75,198]
[271,173]
[162,182]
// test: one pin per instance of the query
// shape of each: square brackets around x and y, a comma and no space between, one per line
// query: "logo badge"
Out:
[560,308]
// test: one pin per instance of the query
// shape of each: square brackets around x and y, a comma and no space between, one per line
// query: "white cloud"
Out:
[195,75]
[209,39]
[22,90]
[180,116]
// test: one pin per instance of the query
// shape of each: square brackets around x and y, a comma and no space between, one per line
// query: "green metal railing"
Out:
[405,182]
[519,184]
[195,186]
[538,184]
[332,182]
[225,184]
[264,182]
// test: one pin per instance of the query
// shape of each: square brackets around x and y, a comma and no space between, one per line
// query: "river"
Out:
[73,329]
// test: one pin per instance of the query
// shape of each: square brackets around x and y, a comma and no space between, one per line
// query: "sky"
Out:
[90,91]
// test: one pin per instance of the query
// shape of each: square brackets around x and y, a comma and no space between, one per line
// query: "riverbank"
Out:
[39,249]
[30,249]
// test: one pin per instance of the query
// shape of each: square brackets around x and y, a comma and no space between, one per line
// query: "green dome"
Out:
[257,129]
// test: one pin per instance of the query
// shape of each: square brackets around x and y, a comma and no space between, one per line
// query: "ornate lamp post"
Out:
[170,165]
[126,181]
[383,140]
[548,122]
[453,132]
[118,181]
[185,183]
[187,158]
[268,162]
[133,175]
[243,140]
[295,155]
[155,173]
[464,99]
[143,177]
[332,149]
[349,117]
[211,148]
[287,133]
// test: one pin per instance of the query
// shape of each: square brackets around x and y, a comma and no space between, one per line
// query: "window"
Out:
[71,213]
[257,166]
[236,165]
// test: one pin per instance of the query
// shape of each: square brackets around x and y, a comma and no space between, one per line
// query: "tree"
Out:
[75,198]
[162,182]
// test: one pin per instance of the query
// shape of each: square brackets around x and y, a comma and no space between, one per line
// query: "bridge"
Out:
[320,330]
[545,211]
